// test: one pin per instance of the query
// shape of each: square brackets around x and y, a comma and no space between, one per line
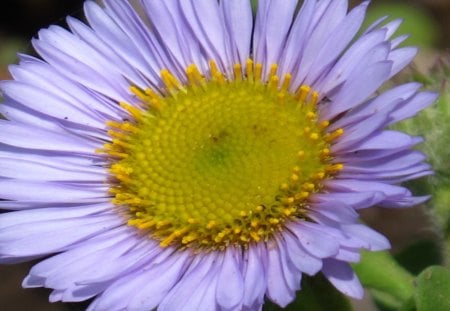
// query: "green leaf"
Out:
[433,289]
[420,255]
[392,285]
[317,294]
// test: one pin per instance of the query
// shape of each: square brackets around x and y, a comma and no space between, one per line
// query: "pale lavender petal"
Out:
[255,279]
[273,20]
[278,289]
[13,189]
[238,21]
[337,41]
[230,287]
[151,293]
[392,27]
[293,50]
[370,46]
[355,200]
[354,185]
[414,105]
[375,241]
[114,36]
[25,136]
[314,239]
[360,132]
[122,64]
[47,214]
[302,260]
[365,81]
[205,21]
[399,40]
[348,255]
[33,170]
[137,34]
[40,238]
[385,140]
[56,46]
[45,77]
[328,20]
[341,275]
[180,294]
[401,58]
[336,211]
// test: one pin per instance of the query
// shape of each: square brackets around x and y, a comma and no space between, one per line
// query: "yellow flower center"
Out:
[214,162]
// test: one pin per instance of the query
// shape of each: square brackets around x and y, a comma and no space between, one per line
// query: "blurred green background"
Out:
[428,22]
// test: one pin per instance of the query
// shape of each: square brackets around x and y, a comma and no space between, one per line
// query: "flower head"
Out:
[190,157]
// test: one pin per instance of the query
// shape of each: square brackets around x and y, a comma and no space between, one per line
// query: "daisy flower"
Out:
[190,156]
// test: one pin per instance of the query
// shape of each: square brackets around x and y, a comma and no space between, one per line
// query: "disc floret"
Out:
[216,161]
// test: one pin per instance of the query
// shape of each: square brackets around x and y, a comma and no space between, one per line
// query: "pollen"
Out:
[215,158]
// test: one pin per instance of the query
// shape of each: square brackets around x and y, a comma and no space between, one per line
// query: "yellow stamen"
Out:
[249,69]
[258,72]
[217,75]
[332,136]
[237,69]
[303,93]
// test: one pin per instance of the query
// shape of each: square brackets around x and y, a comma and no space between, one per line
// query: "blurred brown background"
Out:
[429,23]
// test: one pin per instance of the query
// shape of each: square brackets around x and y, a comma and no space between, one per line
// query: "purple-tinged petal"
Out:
[315,239]
[366,48]
[341,275]
[273,21]
[151,293]
[413,106]
[230,286]
[206,22]
[137,34]
[89,36]
[401,58]
[336,211]
[293,49]
[57,47]
[43,76]
[392,27]
[363,83]
[354,185]
[128,48]
[384,140]
[13,189]
[348,255]
[47,214]
[337,42]
[40,238]
[327,21]
[255,279]
[38,171]
[278,289]
[374,240]
[302,260]
[31,137]
[359,132]
[374,25]
[178,297]
[355,200]
[239,24]
[385,102]
[397,162]
[399,40]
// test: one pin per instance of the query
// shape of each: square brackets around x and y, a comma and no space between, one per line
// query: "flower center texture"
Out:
[213,161]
